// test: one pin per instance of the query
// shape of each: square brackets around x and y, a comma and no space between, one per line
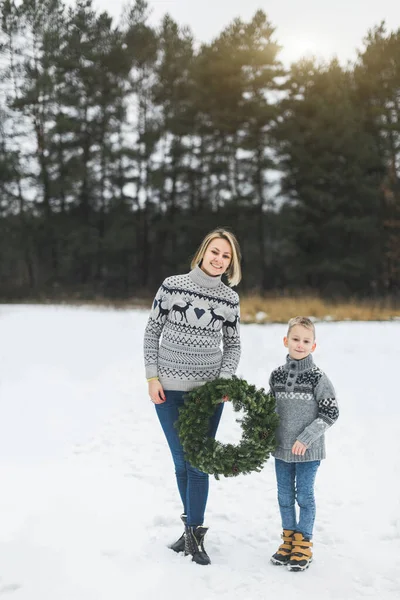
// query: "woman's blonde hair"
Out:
[233,272]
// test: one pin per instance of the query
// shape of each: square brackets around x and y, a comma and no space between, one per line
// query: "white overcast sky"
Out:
[302,26]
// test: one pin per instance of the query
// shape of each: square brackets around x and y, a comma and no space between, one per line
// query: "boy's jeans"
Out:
[192,483]
[296,482]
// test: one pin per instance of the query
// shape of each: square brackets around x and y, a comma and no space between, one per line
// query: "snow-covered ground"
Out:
[88,501]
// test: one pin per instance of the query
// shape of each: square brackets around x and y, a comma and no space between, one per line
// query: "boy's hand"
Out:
[299,448]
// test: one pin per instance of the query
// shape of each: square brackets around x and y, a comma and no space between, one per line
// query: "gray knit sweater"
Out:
[191,315]
[307,407]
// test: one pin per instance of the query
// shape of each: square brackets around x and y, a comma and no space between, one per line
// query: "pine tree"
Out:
[138,150]
[378,82]
[331,180]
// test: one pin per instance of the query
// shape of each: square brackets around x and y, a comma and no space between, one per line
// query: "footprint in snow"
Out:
[12,587]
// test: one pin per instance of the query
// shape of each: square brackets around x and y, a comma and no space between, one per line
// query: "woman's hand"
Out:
[299,448]
[156,392]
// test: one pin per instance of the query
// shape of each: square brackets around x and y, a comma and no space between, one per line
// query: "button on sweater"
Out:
[191,315]
[307,407]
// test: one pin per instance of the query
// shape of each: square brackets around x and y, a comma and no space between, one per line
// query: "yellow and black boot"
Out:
[194,544]
[301,555]
[179,545]
[282,555]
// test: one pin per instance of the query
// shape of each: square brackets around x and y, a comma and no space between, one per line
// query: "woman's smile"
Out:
[217,257]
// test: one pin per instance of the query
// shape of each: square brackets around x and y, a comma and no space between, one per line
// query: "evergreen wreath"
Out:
[258,426]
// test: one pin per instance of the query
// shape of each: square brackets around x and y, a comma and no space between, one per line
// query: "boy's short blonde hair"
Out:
[304,321]
[233,272]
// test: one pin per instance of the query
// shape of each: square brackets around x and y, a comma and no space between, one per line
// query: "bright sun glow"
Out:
[295,48]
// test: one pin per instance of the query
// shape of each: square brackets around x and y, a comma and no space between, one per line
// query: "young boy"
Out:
[307,407]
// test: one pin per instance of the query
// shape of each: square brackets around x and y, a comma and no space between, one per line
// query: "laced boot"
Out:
[179,545]
[282,555]
[301,555]
[194,544]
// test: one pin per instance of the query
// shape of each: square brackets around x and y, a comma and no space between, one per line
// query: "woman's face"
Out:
[217,257]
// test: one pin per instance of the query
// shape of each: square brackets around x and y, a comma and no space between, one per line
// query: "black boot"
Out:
[179,545]
[194,544]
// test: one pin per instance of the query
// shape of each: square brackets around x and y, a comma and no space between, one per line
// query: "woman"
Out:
[193,312]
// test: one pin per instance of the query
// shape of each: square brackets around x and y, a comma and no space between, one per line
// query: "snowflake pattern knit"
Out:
[307,407]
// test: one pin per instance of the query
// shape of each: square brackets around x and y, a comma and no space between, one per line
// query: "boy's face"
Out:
[300,342]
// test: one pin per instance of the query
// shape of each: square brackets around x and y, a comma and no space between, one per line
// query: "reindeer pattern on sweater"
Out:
[191,316]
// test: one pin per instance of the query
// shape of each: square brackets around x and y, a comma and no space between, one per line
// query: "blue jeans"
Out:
[192,483]
[296,482]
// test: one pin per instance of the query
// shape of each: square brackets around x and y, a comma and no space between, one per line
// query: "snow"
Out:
[88,501]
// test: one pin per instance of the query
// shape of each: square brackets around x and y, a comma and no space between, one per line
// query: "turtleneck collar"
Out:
[204,280]
[298,366]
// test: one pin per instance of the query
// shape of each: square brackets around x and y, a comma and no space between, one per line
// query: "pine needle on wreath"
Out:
[258,426]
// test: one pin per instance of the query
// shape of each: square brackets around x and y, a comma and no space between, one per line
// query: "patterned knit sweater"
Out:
[307,407]
[191,314]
